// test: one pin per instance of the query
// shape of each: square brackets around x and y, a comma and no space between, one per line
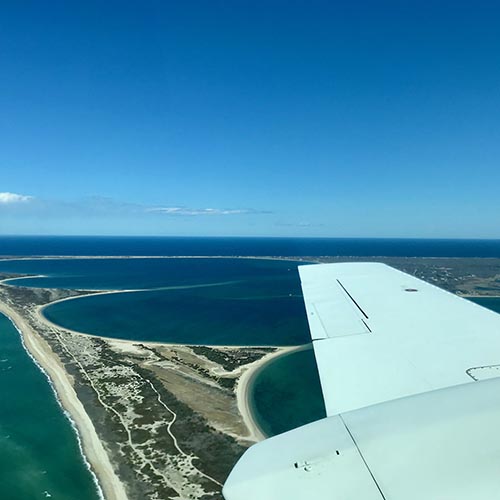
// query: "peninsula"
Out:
[166,421]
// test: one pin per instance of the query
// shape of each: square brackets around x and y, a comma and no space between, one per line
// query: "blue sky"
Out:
[279,118]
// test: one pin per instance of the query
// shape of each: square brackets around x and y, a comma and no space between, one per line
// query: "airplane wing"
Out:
[409,377]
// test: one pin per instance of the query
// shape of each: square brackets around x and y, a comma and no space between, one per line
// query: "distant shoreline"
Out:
[119,257]
[298,258]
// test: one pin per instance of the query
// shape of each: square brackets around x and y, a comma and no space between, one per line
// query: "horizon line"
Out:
[298,237]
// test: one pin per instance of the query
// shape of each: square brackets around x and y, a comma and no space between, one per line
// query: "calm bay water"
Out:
[262,305]
[123,274]
[39,454]
[194,301]
[286,393]
[194,316]
[212,301]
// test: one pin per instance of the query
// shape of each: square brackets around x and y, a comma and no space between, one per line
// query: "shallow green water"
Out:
[286,393]
[39,453]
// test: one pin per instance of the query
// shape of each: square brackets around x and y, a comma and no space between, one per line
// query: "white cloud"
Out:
[199,211]
[97,206]
[8,198]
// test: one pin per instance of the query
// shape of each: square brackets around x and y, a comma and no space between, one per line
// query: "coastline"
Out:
[245,382]
[39,311]
[312,260]
[33,342]
[108,484]
[244,389]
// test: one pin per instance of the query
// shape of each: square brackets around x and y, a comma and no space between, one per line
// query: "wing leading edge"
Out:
[397,359]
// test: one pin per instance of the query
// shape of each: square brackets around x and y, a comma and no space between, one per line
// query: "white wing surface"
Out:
[417,337]
[402,366]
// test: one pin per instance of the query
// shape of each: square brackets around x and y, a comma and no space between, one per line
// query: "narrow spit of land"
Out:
[160,420]
[156,420]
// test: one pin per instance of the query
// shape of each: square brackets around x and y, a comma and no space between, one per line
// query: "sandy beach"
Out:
[92,447]
[255,434]
[110,485]
[245,385]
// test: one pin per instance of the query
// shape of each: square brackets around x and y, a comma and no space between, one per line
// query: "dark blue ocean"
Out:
[127,245]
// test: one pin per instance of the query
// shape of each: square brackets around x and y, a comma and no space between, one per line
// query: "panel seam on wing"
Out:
[362,457]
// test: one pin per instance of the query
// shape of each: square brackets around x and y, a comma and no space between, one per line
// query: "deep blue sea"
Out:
[147,245]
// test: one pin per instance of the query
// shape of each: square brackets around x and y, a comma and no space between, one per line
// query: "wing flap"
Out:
[332,312]
[421,338]
[439,445]
[317,461]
